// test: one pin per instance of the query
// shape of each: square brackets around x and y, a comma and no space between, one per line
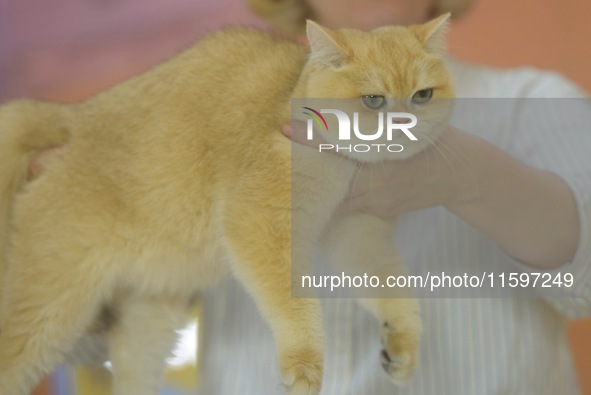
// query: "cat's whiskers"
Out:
[462,159]
[456,154]
[434,144]
[358,169]
[465,162]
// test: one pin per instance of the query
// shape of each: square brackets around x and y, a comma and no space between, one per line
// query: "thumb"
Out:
[297,132]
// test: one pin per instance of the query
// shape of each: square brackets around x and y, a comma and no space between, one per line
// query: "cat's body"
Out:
[170,181]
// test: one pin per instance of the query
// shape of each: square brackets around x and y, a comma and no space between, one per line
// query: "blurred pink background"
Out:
[66,50]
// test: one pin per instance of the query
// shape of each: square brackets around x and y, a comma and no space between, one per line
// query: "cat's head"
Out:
[390,69]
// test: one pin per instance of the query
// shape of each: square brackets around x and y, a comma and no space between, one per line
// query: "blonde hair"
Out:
[290,16]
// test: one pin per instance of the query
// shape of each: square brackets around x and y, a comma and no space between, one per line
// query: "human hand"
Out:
[439,175]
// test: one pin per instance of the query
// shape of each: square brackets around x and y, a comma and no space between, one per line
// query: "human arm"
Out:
[509,201]
[535,144]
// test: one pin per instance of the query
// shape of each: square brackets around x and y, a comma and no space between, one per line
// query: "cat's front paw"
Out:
[301,372]
[400,350]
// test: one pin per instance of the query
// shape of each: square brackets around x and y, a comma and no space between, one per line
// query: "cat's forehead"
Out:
[391,60]
[382,41]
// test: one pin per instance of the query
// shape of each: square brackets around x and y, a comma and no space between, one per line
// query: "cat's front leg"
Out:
[271,222]
[259,246]
[141,339]
[359,244]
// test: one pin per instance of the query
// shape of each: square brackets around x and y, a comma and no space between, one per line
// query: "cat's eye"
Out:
[422,96]
[374,102]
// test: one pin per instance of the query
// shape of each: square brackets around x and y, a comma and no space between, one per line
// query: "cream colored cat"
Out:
[179,176]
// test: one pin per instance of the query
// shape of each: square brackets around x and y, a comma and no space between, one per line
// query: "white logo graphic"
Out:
[401,121]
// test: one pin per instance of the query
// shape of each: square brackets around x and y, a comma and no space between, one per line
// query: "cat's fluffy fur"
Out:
[179,176]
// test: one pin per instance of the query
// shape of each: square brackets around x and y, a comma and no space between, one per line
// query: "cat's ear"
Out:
[323,45]
[433,34]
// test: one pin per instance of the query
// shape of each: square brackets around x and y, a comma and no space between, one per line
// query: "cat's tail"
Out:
[26,126]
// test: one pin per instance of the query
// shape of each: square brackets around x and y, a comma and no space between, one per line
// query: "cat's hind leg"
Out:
[46,307]
[361,244]
[141,339]
[61,269]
